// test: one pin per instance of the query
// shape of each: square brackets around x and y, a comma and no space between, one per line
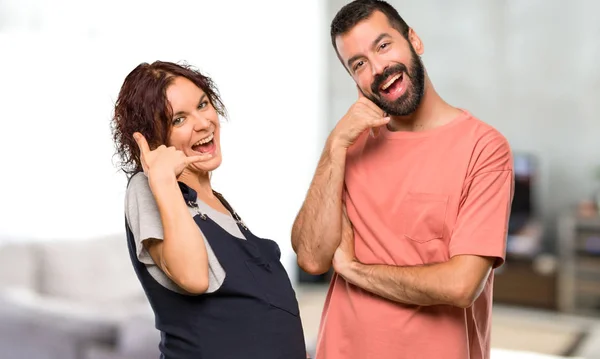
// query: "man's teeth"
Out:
[204,140]
[390,82]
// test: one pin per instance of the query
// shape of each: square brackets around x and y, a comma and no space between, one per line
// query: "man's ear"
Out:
[415,41]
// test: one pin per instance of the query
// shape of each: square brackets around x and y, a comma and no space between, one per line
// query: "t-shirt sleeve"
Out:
[142,215]
[482,224]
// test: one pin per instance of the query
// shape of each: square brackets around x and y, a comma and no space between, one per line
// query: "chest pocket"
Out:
[423,216]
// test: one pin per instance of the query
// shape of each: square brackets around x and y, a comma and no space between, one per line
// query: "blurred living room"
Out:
[67,286]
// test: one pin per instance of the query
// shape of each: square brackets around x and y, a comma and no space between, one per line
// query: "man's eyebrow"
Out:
[373,44]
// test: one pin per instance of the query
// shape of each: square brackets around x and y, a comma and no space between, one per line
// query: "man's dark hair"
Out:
[357,11]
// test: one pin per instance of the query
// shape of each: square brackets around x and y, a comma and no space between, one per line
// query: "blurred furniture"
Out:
[73,299]
[579,253]
[522,210]
[528,276]
[137,339]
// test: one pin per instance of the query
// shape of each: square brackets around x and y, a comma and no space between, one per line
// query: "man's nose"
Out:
[378,67]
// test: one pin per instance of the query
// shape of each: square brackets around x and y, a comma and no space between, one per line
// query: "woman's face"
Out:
[195,126]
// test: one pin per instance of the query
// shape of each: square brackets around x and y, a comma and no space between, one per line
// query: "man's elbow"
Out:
[465,295]
[464,302]
[312,267]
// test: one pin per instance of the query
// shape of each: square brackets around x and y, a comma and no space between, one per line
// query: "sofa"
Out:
[73,299]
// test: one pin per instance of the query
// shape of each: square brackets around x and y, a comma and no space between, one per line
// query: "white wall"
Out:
[61,67]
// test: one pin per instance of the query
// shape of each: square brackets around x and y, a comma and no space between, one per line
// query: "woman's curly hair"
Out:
[142,106]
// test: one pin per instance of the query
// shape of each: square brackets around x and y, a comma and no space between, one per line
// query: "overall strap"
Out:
[130,177]
[236,216]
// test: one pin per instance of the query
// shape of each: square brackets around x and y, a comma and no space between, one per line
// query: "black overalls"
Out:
[254,314]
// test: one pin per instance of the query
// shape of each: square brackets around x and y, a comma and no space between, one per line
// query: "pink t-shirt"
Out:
[416,198]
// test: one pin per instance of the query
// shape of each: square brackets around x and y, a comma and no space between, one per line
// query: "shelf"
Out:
[588,222]
[579,257]
[589,287]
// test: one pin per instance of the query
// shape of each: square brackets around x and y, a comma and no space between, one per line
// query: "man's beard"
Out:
[411,98]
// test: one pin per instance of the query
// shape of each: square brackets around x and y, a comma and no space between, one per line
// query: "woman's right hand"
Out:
[163,161]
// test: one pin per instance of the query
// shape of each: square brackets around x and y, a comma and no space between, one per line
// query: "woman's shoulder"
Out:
[138,186]
[137,181]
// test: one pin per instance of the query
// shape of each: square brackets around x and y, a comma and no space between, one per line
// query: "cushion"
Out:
[18,267]
[96,270]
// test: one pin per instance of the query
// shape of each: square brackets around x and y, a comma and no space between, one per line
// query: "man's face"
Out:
[385,66]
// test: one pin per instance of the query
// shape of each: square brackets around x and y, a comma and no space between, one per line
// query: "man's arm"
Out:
[316,230]
[457,282]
